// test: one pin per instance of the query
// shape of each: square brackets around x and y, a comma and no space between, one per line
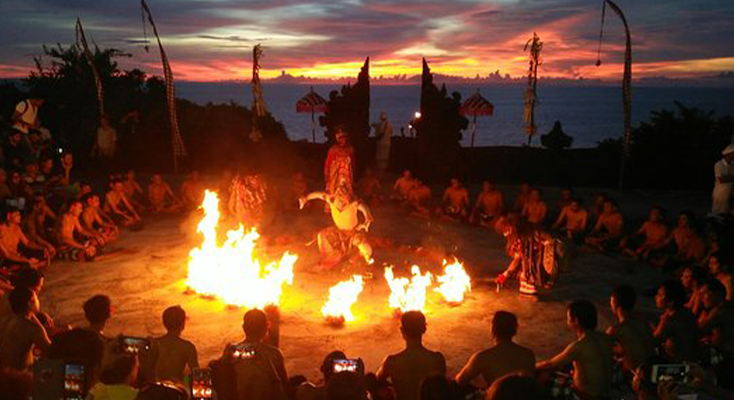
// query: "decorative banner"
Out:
[179,150]
[312,103]
[81,43]
[476,106]
[258,103]
[531,92]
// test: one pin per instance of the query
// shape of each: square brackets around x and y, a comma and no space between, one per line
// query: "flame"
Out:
[454,283]
[341,297]
[408,294]
[232,271]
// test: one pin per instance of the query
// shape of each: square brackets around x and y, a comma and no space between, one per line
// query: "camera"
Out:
[349,364]
[669,372]
[133,345]
[201,384]
[58,379]
[243,351]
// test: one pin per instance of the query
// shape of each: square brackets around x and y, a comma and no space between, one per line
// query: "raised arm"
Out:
[560,360]
[311,196]
[368,219]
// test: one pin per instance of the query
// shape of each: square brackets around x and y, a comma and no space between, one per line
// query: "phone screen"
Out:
[201,384]
[346,365]
[134,345]
[669,372]
[73,382]
[243,351]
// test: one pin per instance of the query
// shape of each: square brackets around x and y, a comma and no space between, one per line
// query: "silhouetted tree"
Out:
[350,109]
[556,139]
[438,130]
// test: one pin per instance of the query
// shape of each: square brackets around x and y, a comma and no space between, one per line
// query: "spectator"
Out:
[717,326]
[24,332]
[690,246]
[501,359]
[19,189]
[404,185]
[632,334]
[346,385]
[14,153]
[677,331]
[163,391]
[117,380]
[653,233]
[608,229]
[489,206]
[68,233]
[590,354]
[4,188]
[535,209]
[410,367]
[642,384]
[172,353]
[106,139]
[419,199]
[36,225]
[85,347]
[67,164]
[369,188]
[719,268]
[98,311]
[515,387]
[263,376]
[15,385]
[692,278]
[25,116]
[575,218]
[439,387]
[16,248]
[26,277]
[311,392]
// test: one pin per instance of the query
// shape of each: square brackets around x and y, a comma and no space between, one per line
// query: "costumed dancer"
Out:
[339,165]
[247,196]
[336,242]
[533,253]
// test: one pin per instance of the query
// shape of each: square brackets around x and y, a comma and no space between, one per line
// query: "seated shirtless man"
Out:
[535,208]
[419,200]
[69,232]
[132,189]
[654,231]
[160,196]
[608,230]
[192,191]
[15,247]
[489,206]
[36,226]
[118,207]
[369,188]
[590,353]
[455,201]
[336,242]
[574,219]
[93,219]
[404,185]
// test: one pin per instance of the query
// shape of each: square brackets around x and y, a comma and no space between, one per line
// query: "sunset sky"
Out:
[209,40]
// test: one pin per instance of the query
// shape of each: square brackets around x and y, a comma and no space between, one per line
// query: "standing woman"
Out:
[339,165]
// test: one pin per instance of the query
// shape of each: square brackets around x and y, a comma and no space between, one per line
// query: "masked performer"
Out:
[339,165]
[336,242]
[247,196]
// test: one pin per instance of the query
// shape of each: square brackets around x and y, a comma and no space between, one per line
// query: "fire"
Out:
[408,294]
[341,297]
[454,283]
[232,271]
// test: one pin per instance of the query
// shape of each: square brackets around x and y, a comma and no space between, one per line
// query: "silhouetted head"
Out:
[413,324]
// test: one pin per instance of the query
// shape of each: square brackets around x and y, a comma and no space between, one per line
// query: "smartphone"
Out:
[349,364]
[73,381]
[243,351]
[201,384]
[134,345]
[669,372]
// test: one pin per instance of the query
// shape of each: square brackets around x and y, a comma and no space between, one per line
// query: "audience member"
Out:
[692,278]
[534,209]
[590,353]
[719,265]
[608,229]
[419,199]
[69,232]
[97,311]
[160,196]
[116,382]
[439,387]
[676,331]
[574,220]
[404,185]
[313,392]
[489,206]
[501,359]
[515,387]
[716,324]
[16,248]
[346,385]
[407,369]
[653,234]
[455,201]
[631,333]
[172,353]
[369,188]
[4,188]
[24,332]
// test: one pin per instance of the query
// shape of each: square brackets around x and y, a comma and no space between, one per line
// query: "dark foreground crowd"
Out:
[685,352]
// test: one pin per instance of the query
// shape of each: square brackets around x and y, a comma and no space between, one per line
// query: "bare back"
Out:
[409,368]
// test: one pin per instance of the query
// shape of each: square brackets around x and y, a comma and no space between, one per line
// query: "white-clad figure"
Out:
[723,175]
[383,133]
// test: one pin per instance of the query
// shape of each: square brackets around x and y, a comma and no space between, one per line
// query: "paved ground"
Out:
[149,272]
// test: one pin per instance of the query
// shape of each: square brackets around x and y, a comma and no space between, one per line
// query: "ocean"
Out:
[588,114]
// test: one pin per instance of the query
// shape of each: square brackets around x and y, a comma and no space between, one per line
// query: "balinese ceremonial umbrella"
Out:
[312,103]
[476,106]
